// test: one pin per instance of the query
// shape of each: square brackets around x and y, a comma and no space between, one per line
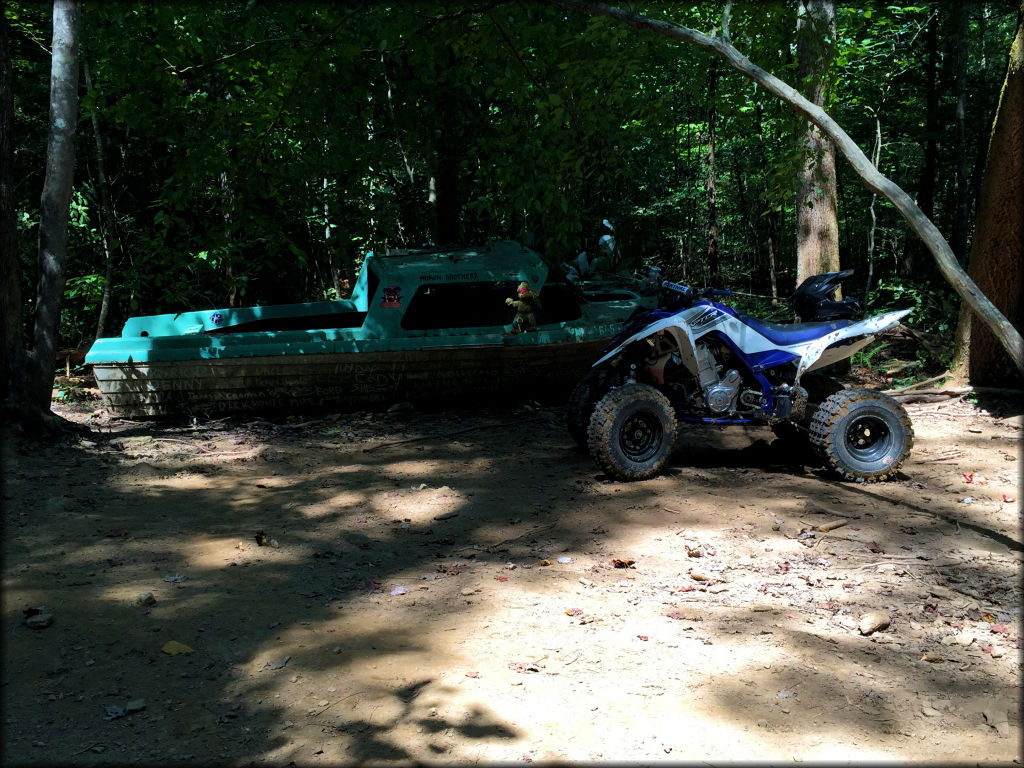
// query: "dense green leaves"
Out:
[255,151]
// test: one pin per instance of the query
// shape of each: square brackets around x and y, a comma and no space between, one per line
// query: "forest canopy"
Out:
[254,152]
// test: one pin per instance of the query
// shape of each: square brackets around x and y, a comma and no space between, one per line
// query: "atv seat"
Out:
[787,334]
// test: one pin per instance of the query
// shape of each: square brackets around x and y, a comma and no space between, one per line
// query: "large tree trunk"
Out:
[817,240]
[55,200]
[997,253]
[1009,336]
[11,330]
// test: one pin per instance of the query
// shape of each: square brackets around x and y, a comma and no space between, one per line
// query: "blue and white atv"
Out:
[698,361]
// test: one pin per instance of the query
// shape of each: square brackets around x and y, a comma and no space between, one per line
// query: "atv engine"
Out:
[719,392]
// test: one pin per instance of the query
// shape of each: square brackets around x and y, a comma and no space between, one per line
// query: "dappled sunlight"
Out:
[419,608]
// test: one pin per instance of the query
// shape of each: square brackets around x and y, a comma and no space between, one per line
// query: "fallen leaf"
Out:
[573,612]
[1002,629]
[617,563]
[174,648]
[643,637]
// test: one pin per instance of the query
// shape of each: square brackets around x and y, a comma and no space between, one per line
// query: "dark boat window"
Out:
[481,305]
[304,323]
[559,303]
[459,305]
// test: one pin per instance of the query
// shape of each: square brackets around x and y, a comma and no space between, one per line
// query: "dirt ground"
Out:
[445,587]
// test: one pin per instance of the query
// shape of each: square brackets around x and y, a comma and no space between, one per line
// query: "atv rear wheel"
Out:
[862,435]
[632,432]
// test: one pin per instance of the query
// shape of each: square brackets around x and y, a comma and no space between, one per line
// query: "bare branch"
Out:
[1001,328]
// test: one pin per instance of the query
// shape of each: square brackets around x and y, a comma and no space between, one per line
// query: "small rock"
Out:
[145,598]
[39,621]
[136,705]
[930,712]
[873,622]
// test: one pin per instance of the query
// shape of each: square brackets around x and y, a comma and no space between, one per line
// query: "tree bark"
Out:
[108,232]
[817,241]
[876,182]
[962,222]
[11,364]
[55,200]
[926,181]
[997,252]
[709,183]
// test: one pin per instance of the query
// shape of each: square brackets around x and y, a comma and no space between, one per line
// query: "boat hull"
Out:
[345,381]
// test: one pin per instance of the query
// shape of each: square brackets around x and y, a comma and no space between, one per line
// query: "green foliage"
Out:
[933,307]
[255,151]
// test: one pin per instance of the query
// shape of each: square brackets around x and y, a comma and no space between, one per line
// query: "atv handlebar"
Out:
[694,294]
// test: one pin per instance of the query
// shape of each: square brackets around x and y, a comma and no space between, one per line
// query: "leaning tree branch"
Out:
[875,181]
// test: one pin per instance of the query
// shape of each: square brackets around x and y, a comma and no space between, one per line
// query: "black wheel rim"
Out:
[640,437]
[868,438]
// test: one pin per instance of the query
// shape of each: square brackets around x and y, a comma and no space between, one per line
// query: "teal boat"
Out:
[422,325]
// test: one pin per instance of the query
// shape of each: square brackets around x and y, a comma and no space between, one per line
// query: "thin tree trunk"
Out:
[709,184]
[227,216]
[11,364]
[817,225]
[875,157]
[108,229]
[55,200]
[754,257]
[926,181]
[770,215]
[961,224]
[720,46]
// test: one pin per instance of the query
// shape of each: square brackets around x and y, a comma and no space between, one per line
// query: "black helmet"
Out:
[815,299]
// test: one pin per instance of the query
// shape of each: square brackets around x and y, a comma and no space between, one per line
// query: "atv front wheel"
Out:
[632,432]
[862,435]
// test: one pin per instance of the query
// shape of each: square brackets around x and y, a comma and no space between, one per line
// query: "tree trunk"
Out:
[709,184]
[962,222]
[1009,336]
[817,241]
[769,214]
[926,181]
[12,351]
[55,200]
[108,233]
[997,253]
[445,189]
